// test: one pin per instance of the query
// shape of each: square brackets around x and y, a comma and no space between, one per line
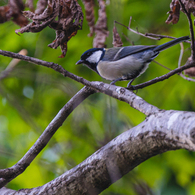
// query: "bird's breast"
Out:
[125,68]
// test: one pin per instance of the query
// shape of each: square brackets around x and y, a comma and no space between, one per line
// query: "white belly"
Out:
[126,68]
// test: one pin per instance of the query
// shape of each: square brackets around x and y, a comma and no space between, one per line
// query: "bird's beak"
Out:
[79,62]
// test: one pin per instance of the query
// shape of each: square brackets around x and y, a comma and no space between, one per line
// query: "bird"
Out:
[124,63]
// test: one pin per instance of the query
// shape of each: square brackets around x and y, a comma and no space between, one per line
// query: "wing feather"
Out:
[114,54]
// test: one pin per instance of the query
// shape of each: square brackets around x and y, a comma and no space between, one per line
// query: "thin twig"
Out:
[163,77]
[11,65]
[111,90]
[93,85]
[159,36]
[136,32]
[191,29]
[162,65]
[163,36]
[147,35]
[187,78]
[181,54]
[179,64]
[131,42]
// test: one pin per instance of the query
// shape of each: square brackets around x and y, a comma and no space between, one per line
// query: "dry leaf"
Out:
[117,42]
[13,11]
[3,13]
[189,6]
[89,10]
[69,19]
[41,5]
[101,26]
[174,12]
[190,72]
[29,3]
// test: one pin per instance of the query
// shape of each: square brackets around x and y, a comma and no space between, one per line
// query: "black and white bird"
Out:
[123,63]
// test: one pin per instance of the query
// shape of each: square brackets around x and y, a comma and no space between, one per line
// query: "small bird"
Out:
[123,63]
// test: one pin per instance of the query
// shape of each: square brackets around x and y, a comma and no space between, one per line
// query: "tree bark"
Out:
[158,133]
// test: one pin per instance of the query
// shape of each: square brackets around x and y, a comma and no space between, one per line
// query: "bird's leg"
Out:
[129,84]
[113,82]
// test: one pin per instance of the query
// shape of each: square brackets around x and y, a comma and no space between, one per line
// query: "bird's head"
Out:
[91,57]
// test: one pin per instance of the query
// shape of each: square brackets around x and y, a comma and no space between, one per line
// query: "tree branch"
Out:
[8,174]
[119,93]
[166,76]
[162,36]
[11,65]
[191,29]
[136,32]
[171,129]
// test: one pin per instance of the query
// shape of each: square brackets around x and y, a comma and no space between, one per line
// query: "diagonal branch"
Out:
[166,76]
[8,174]
[160,132]
[119,93]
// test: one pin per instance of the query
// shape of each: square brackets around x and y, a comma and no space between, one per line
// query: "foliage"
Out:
[32,95]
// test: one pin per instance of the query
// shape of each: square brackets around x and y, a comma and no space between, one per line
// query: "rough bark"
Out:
[159,132]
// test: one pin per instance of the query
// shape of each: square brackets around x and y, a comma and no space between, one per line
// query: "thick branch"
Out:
[167,130]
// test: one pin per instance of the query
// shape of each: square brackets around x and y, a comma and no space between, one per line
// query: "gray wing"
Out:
[114,54]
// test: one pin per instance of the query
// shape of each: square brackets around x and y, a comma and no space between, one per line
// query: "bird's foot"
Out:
[131,88]
[113,83]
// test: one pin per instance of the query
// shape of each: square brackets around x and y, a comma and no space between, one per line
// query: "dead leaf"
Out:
[189,6]
[101,31]
[69,19]
[3,13]
[13,11]
[190,72]
[90,17]
[174,12]
[41,5]
[117,42]
[29,3]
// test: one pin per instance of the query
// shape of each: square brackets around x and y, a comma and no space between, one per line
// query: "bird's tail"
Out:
[170,43]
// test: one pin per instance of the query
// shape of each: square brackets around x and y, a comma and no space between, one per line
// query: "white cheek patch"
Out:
[95,57]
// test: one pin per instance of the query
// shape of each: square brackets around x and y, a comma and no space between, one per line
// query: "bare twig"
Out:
[179,64]
[163,36]
[119,93]
[187,78]
[162,65]
[163,77]
[159,36]
[147,35]
[131,42]
[181,55]
[136,32]
[103,87]
[191,29]
[8,174]
[113,91]
[11,65]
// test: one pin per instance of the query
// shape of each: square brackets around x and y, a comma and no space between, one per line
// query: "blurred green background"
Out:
[32,95]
